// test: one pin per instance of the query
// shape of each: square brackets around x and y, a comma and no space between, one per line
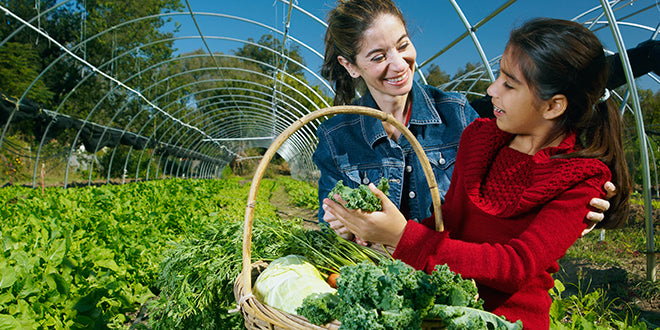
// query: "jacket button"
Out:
[365,180]
[442,161]
[408,168]
[411,194]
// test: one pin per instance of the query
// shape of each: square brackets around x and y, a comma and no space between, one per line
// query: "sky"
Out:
[433,25]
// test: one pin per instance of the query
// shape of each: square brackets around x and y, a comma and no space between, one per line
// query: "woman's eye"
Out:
[404,46]
[506,85]
[378,58]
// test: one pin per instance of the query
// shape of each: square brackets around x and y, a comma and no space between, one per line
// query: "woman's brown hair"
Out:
[346,25]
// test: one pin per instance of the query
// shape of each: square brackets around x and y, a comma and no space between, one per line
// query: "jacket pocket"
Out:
[442,163]
[442,159]
[355,176]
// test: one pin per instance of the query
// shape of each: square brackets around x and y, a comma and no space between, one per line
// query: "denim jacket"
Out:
[356,149]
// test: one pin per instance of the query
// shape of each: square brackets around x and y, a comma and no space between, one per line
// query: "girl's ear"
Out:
[348,66]
[556,107]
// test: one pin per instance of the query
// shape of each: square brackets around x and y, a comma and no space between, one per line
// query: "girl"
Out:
[522,181]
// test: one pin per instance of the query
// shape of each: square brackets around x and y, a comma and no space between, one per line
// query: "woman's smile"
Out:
[402,79]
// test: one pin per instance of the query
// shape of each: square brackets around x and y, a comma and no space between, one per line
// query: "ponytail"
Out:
[334,72]
[602,140]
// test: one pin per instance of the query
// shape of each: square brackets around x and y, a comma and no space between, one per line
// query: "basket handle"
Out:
[256,180]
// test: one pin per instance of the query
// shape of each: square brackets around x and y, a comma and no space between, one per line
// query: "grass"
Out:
[610,267]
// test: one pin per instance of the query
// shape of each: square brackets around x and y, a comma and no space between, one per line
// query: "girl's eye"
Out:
[378,58]
[404,46]
[507,86]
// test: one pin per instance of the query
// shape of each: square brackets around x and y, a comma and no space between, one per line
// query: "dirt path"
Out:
[280,199]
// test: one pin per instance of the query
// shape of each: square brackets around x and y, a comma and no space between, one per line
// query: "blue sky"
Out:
[433,25]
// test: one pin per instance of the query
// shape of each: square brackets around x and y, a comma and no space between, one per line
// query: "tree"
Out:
[268,50]
[18,68]
[436,77]
[473,82]
[650,107]
[37,52]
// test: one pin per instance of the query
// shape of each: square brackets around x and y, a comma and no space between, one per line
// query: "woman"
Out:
[367,42]
[522,181]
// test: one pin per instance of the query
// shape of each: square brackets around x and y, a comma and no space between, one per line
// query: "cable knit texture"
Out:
[509,217]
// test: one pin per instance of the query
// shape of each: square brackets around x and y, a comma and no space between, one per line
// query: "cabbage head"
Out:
[286,282]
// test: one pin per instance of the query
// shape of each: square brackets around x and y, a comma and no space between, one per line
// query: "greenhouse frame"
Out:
[184,92]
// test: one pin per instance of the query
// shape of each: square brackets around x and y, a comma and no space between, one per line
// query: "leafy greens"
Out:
[393,295]
[360,197]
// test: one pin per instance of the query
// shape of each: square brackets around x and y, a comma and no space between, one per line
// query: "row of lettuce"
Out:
[152,255]
[91,257]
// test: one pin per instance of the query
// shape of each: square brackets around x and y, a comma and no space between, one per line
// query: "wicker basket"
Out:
[260,316]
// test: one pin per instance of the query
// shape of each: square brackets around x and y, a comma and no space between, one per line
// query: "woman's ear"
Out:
[350,68]
[556,107]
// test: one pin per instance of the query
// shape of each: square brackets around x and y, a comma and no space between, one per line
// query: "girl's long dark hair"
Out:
[564,57]
[346,25]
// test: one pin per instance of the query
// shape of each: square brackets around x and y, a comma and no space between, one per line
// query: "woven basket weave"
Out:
[260,316]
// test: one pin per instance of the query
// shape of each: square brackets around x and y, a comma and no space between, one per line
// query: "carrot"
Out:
[332,280]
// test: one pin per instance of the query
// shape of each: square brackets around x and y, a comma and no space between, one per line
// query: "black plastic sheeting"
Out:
[93,136]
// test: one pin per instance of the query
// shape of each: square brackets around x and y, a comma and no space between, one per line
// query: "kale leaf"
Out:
[319,308]
[393,295]
[453,290]
[462,317]
[360,197]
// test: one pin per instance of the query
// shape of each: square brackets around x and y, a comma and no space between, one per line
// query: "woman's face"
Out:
[386,58]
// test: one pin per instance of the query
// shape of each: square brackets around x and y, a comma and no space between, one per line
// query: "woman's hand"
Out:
[602,205]
[337,226]
[384,226]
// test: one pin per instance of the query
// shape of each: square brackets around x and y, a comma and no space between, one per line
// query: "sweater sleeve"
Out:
[506,266]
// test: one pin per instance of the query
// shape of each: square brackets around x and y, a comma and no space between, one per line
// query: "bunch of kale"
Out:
[360,197]
[392,295]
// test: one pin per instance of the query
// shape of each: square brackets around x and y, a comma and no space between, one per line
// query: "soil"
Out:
[625,286]
[287,211]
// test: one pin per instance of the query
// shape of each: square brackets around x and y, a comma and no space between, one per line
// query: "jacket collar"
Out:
[423,113]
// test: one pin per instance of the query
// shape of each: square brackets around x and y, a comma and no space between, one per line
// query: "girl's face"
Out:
[517,109]
[386,58]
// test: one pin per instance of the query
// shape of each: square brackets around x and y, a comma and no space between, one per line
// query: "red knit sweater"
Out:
[509,217]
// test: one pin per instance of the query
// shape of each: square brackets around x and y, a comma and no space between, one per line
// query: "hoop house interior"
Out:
[181,92]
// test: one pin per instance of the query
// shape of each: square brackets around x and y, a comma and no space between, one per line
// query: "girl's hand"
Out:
[602,205]
[384,226]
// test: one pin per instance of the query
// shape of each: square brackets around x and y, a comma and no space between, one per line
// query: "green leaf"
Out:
[56,252]
[109,264]
[7,277]
[557,290]
[24,263]
[83,322]
[8,322]
[459,317]
[30,287]
[60,284]
[5,298]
